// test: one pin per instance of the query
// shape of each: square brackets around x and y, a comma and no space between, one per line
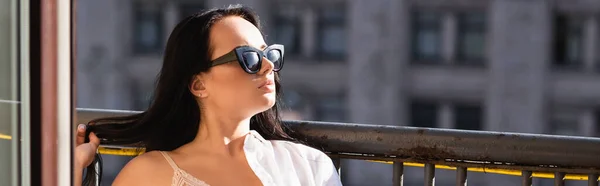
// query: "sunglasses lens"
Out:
[252,61]
[275,57]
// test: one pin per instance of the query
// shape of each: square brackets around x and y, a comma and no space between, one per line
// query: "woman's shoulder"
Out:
[148,159]
[147,168]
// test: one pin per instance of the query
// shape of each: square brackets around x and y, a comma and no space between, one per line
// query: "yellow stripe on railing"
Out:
[134,152]
[6,137]
[495,171]
[119,151]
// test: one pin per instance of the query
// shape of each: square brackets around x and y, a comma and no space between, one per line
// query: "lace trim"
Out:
[180,177]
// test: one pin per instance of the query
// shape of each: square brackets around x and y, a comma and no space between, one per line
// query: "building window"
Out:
[565,121]
[468,117]
[426,40]
[148,28]
[423,114]
[287,29]
[471,38]
[568,42]
[331,33]
[188,9]
[141,97]
[597,121]
[294,106]
[331,109]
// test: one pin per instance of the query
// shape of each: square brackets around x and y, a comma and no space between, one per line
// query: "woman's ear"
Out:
[197,87]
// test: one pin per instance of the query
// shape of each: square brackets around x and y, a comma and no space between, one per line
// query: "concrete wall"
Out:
[520,33]
[103,40]
[377,59]
[516,86]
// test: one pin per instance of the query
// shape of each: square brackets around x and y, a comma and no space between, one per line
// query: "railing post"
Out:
[593,179]
[559,179]
[338,166]
[398,177]
[527,181]
[429,174]
[461,176]
[97,176]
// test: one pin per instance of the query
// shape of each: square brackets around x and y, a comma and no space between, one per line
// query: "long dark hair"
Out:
[173,116]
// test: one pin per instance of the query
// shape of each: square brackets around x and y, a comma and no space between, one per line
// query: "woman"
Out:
[214,119]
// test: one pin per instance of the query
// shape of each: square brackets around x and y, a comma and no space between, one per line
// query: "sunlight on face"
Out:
[228,85]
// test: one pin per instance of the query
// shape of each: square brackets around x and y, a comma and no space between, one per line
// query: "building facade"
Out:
[498,65]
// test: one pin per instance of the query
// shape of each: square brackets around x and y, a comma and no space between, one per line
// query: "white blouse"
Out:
[276,163]
[284,163]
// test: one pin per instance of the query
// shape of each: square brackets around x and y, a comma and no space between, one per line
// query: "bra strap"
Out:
[168,158]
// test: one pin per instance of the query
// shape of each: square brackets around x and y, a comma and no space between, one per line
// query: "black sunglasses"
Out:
[250,58]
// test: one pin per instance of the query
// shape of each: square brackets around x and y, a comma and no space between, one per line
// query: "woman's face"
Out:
[228,86]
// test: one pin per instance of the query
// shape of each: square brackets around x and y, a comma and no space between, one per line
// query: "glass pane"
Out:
[294,106]
[287,28]
[597,122]
[428,42]
[332,41]
[472,46]
[427,32]
[9,90]
[565,121]
[287,33]
[471,37]
[568,41]
[148,28]
[333,14]
[468,117]
[574,48]
[332,36]
[423,114]
[188,9]
[331,109]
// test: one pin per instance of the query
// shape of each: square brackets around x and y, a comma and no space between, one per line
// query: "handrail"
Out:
[520,154]
[377,142]
[529,155]
[450,146]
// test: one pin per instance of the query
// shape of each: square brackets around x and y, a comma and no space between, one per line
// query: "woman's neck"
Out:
[223,135]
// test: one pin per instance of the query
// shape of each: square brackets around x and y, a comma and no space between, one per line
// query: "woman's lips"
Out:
[268,85]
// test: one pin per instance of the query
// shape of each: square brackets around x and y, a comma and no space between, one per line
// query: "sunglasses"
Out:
[250,58]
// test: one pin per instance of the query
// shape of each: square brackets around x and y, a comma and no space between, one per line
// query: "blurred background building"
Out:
[500,65]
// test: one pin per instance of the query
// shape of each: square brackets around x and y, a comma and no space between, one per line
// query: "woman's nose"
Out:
[266,66]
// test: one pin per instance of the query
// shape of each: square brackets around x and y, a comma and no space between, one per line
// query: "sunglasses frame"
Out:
[236,55]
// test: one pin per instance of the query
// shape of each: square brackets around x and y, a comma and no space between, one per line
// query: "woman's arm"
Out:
[78,176]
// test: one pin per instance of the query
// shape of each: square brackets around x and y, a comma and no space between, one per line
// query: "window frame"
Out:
[185,8]
[324,23]
[432,108]
[324,105]
[140,12]
[417,27]
[463,28]
[296,22]
[457,107]
[563,26]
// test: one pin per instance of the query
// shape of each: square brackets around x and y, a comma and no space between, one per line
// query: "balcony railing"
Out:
[527,155]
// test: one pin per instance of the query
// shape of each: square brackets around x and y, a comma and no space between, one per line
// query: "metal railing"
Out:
[527,155]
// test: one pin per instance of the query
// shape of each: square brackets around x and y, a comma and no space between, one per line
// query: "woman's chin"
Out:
[264,101]
[270,102]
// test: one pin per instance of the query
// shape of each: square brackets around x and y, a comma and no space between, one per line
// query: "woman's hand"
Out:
[85,152]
